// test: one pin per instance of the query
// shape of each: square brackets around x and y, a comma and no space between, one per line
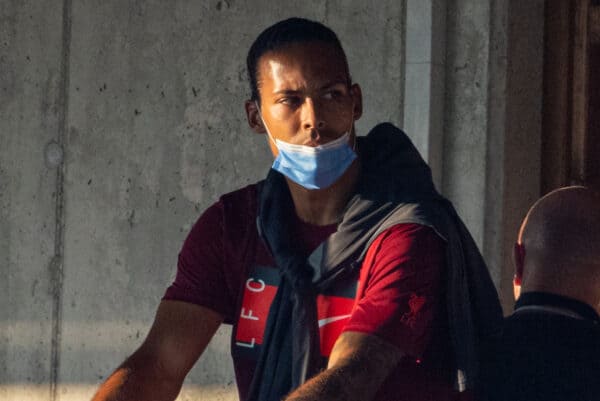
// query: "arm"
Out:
[156,370]
[358,364]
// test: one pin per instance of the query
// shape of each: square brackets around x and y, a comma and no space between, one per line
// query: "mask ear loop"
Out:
[265,124]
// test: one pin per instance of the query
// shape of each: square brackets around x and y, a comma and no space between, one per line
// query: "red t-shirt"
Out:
[397,296]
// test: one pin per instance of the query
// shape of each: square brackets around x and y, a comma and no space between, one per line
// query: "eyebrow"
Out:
[328,85]
[335,83]
[287,92]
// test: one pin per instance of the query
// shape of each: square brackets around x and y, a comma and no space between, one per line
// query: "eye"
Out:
[289,101]
[333,94]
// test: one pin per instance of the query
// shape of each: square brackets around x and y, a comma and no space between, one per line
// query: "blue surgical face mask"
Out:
[313,167]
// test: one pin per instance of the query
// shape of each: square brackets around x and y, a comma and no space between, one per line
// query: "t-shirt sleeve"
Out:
[200,277]
[399,287]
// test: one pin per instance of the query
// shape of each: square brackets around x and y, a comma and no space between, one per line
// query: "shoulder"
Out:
[229,214]
[239,211]
[530,336]
[407,238]
[241,193]
[404,255]
[241,198]
[565,330]
[238,205]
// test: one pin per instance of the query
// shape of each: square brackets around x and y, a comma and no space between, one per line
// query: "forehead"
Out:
[305,64]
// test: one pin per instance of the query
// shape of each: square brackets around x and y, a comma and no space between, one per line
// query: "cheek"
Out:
[280,112]
[287,131]
[342,115]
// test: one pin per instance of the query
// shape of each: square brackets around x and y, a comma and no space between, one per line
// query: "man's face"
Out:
[306,97]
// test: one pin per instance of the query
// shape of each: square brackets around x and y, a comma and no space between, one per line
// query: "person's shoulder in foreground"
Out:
[550,347]
[334,270]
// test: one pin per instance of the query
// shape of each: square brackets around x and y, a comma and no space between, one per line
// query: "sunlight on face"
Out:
[304,88]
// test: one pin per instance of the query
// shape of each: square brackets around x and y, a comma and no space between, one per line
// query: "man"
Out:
[335,270]
[550,347]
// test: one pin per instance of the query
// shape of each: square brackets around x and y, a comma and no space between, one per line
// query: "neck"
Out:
[577,292]
[325,206]
[557,275]
[554,303]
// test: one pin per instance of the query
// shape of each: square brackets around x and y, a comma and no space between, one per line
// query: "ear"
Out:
[253,116]
[519,261]
[356,94]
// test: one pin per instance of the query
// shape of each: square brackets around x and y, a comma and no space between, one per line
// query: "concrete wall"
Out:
[492,122]
[522,134]
[145,101]
[31,116]
[122,121]
[473,107]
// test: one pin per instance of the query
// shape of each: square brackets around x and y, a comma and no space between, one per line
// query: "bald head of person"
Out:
[558,248]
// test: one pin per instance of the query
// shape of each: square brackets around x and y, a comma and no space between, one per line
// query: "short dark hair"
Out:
[286,32]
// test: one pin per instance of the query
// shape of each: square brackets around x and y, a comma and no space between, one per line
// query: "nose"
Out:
[312,119]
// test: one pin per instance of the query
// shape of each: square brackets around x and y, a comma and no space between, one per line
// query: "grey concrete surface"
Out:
[146,100]
[425,80]
[30,110]
[465,128]
[493,245]
[492,131]
[522,134]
